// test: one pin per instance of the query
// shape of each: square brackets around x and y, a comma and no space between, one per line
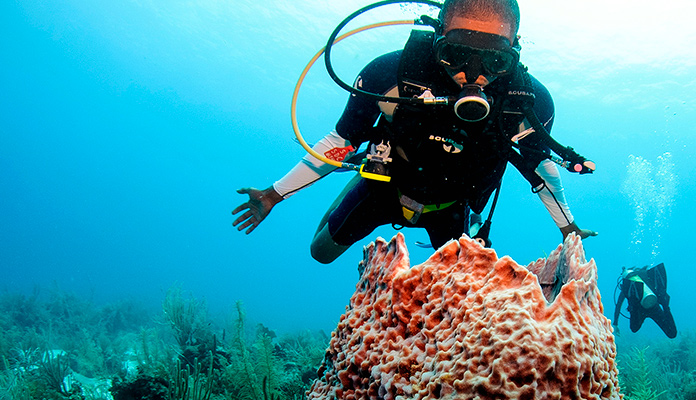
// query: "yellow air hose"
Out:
[293,111]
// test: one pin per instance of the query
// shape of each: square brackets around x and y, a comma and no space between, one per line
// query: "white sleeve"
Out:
[552,194]
[311,169]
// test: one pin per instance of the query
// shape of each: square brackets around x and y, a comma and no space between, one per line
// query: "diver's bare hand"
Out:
[583,233]
[257,208]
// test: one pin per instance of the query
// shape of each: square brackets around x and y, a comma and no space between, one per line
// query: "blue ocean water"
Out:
[127,126]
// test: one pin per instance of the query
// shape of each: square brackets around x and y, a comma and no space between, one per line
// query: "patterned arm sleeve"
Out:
[310,169]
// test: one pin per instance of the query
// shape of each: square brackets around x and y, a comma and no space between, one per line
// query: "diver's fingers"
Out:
[254,194]
[585,233]
[246,224]
[252,223]
[255,210]
[240,208]
[246,216]
[251,228]
[245,190]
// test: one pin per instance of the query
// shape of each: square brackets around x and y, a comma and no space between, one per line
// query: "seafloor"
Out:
[55,345]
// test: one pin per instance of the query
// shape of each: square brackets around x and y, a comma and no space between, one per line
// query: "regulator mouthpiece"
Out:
[472,105]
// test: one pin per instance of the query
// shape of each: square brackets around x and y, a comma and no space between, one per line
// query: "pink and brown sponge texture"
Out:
[468,325]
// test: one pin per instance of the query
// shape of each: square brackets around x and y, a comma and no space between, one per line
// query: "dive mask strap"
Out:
[436,24]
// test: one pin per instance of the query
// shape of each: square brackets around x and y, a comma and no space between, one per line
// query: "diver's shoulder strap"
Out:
[417,68]
[519,93]
[517,97]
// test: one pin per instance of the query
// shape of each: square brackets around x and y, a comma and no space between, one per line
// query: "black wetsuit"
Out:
[656,279]
[437,158]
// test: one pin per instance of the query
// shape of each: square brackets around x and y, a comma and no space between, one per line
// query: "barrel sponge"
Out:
[468,325]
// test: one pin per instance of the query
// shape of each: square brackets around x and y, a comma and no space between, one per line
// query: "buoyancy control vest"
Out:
[437,156]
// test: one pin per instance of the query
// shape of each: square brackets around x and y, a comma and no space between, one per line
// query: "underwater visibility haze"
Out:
[127,126]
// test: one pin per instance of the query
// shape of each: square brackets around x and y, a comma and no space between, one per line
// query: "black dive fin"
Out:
[657,279]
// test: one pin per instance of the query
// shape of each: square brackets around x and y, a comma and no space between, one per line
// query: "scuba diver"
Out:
[428,166]
[646,291]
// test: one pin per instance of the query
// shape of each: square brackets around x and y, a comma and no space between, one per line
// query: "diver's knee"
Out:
[324,249]
[321,255]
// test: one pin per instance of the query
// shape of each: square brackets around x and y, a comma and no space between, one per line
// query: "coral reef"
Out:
[640,386]
[123,352]
[127,350]
[657,367]
[467,325]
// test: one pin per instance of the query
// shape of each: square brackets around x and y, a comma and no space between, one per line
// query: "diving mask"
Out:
[476,52]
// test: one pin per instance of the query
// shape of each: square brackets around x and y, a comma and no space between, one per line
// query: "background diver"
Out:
[441,164]
[646,291]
